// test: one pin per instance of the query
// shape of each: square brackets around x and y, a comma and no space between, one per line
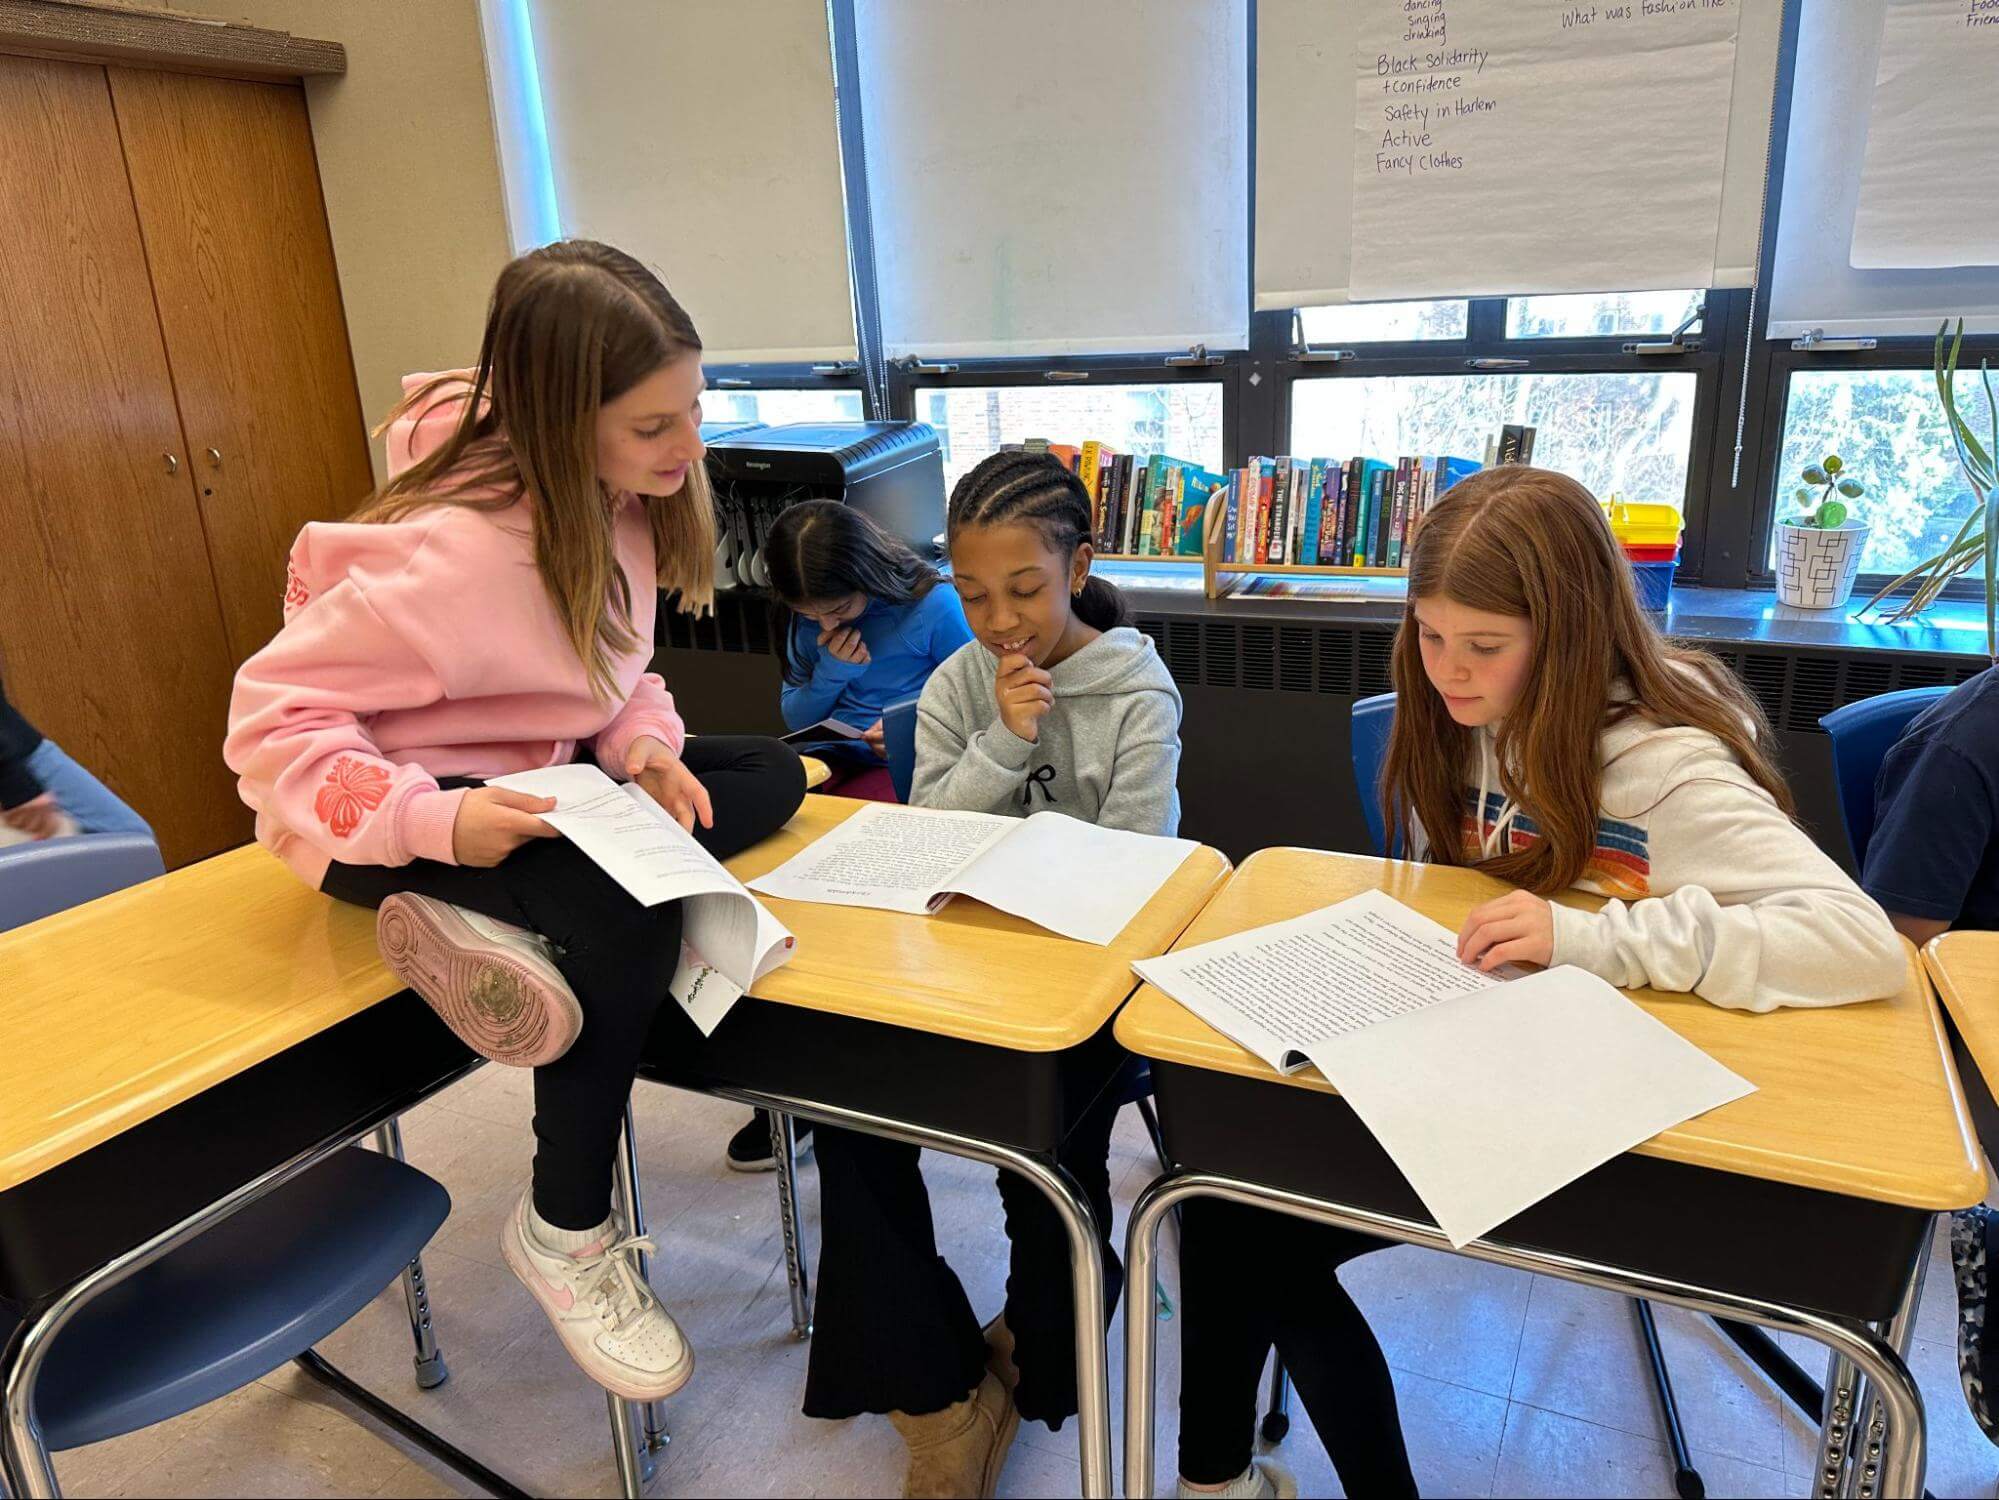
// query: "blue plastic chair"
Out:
[1373,718]
[251,1291]
[899,740]
[1862,734]
[40,879]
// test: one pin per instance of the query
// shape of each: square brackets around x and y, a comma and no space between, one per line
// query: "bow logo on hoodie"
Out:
[1040,776]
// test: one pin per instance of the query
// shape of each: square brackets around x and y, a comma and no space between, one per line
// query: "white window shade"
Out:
[1055,178]
[1305,126]
[1813,284]
[701,137]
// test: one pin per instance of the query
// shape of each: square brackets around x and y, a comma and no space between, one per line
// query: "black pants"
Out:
[1250,1278]
[892,1328]
[617,955]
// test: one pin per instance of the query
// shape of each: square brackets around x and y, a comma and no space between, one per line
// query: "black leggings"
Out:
[1250,1278]
[617,955]
[892,1327]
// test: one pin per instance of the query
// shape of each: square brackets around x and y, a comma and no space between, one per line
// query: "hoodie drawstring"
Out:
[1499,840]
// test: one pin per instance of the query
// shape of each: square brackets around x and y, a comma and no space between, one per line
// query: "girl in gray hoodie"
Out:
[1057,704]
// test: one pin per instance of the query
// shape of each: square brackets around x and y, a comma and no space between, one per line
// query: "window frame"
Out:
[1783,360]
[1282,363]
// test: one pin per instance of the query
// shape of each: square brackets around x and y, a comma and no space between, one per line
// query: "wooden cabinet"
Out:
[178,399]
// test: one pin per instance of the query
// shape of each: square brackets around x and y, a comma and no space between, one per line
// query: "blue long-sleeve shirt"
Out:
[905,644]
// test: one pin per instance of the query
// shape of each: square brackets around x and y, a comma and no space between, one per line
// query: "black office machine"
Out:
[892,472]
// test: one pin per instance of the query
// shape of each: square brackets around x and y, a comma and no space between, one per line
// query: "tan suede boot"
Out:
[999,1352]
[957,1453]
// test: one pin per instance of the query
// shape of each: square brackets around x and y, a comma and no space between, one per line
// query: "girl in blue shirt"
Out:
[864,625]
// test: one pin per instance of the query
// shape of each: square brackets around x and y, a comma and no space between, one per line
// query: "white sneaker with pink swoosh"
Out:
[603,1311]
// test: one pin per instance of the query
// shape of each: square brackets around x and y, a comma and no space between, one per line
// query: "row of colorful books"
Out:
[1139,507]
[1285,511]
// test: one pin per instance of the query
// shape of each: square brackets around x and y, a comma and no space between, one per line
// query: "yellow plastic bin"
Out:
[1644,525]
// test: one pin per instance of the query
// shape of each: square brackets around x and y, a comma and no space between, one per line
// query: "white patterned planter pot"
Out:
[1816,569]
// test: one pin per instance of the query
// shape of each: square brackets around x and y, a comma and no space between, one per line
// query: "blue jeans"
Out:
[86,799]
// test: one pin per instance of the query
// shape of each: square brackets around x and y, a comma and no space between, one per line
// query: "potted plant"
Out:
[1977,539]
[1818,550]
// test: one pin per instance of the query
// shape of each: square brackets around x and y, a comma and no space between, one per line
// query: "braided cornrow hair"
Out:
[1035,489]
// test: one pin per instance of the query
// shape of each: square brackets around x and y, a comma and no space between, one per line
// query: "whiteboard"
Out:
[1504,147]
[1929,196]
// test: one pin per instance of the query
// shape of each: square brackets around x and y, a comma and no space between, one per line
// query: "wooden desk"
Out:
[1806,1206]
[969,972]
[1855,1099]
[115,1012]
[1965,968]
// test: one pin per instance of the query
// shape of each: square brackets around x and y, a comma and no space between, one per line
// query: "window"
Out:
[1182,419]
[1629,435]
[1383,322]
[1889,431]
[772,407]
[1598,314]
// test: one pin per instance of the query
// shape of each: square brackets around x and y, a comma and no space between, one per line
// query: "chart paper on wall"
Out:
[1929,196]
[1513,146]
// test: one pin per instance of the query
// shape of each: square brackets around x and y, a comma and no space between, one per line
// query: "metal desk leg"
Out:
[784,1148]
[1871,1442]
[1900,1464]
[431,1370]
[629,1206]
[1086,1263]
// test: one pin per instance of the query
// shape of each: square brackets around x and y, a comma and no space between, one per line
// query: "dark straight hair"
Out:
[819,550]
[1035,489]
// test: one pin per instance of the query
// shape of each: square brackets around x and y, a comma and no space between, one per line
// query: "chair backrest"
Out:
[1372,720]
[1862,734]
[40,879]
[899,740]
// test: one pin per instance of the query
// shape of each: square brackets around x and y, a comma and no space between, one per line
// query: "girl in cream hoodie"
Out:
[1546,734]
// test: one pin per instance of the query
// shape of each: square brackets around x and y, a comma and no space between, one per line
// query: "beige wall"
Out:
[411,173]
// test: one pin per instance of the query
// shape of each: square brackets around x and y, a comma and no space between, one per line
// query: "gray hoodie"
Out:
[1108,753]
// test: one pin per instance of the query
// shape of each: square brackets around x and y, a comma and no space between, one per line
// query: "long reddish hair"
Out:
[1535,545]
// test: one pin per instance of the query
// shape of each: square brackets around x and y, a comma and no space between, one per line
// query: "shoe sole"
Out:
[505,1007]
[630,1391]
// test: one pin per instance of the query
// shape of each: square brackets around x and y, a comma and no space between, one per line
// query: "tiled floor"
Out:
[1510,1384]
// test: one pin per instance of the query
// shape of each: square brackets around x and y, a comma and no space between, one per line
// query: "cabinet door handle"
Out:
[173,464]
[214,458]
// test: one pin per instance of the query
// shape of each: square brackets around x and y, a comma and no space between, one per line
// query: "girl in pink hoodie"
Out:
[489,610]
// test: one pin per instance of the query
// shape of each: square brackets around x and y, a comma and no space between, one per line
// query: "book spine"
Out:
[1086,470]
[1509,444]
[1136,511]
[1266,469]
[1527,444]
[1329,512]
[1398,516]
[1134,486]
[1230,519]
[1349,506]
[1384,498]
[1315,504]
[1280,514]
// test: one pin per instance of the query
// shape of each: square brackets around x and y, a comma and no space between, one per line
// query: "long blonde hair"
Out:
[1535,545]
[571,326]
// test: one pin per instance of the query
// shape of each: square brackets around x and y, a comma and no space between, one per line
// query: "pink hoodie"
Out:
[425,648]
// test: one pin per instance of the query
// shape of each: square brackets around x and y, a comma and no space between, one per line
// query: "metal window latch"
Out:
[1675,343]
[1815,342]
[1496,364]
[909,364]
[1304,353]
[1196,356]
[838,367]
[736,384]
[1065,374]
